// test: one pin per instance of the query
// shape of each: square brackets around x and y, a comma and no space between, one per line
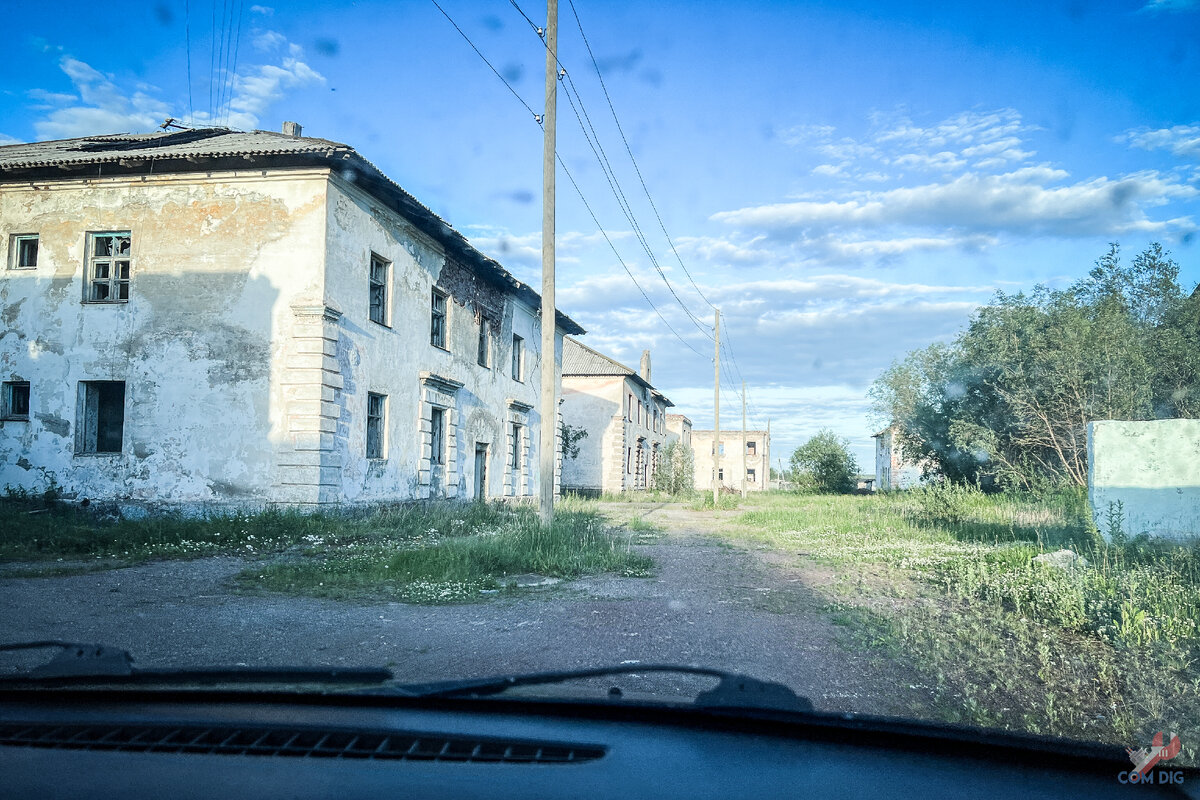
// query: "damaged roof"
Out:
[582,361]
[209,149]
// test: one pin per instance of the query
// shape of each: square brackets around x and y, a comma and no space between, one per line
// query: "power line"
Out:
[237,46]
[536,116]
[558,156]
[610,175]
[629,150]
[618,255]
[212,59]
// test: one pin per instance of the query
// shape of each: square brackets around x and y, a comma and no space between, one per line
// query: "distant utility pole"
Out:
[717,411]
[549,409]
[744,439]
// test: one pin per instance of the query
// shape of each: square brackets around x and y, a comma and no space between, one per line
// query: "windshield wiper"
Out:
[733,690]
[82,663]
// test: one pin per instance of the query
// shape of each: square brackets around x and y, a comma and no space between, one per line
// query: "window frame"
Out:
[384,285]
[83,433]
[379,453]
[437,332]
[518,358]
[516,430]
[14,250]
[113,280]
[6,400]
[752,448]
[483,353]
[437,436]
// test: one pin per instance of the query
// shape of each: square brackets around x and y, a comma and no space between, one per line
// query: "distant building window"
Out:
[437,436]
[376,424]
[437,320]
[14,401]
[484,356]
[751,448]
[629,459]
[518,358]
[378,289]
[109,260]
[101,417]
[750,476]
[720,474]
[24,251]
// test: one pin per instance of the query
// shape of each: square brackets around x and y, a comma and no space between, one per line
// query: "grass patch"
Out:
[703,501]
[1105,650]
[458,560]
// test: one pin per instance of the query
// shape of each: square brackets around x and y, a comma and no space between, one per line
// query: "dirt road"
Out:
[708,604]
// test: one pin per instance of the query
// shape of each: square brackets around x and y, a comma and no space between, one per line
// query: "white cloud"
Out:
[266,11]
[1181,140]
[1170,6]
[6,139]
[268,41]
[1026,201]
[101,105]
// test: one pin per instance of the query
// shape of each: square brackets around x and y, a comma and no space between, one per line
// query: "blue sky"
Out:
[846,180]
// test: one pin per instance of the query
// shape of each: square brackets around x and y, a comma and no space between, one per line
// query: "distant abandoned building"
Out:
[219,317]
[892,470]
[730,473]
[625,418]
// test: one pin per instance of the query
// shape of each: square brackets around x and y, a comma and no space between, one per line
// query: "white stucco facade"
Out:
[624,416]
[238,369]
[731,469]
[892,471]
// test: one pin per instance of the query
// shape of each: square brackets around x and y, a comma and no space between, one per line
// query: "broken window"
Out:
[437,436]
[101,423]
[751,448]
[376,419]
[437,320]
[14,402]
[518,358]
[109,260]
[720,474]
[24,251]
[379,289]
[750,476]
[484,354]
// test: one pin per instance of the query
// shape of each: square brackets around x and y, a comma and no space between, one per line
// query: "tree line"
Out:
[1007,402]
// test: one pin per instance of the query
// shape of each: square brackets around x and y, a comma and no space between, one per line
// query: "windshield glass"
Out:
[875,370]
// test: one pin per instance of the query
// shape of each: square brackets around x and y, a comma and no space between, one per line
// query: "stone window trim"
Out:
[379,281]
[439,319]
[14,401]
[517,433]
[23,251]
[109,267]
[438,393]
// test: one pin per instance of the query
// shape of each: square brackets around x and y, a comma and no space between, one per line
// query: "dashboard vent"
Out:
[293,742]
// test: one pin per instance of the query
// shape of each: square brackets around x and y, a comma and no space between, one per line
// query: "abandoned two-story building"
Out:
[246,318]
[624,416]
[731,470]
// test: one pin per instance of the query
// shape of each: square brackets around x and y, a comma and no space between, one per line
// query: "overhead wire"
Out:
[187,38]
[237,46]
[610,175]
[558,156]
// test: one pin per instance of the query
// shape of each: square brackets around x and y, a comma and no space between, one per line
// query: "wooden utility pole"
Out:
[766,454]
[743,439]
[549,404]
[717,411]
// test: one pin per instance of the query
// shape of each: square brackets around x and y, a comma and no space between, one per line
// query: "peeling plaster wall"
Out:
[219,261]
[392,359]
[1152,469]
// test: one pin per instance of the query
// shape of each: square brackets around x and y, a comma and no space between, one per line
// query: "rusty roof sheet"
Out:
[195,149]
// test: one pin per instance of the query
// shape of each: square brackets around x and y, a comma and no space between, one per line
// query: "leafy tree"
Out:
[675,472]
[571,436]
[824,463]
[1012,396]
